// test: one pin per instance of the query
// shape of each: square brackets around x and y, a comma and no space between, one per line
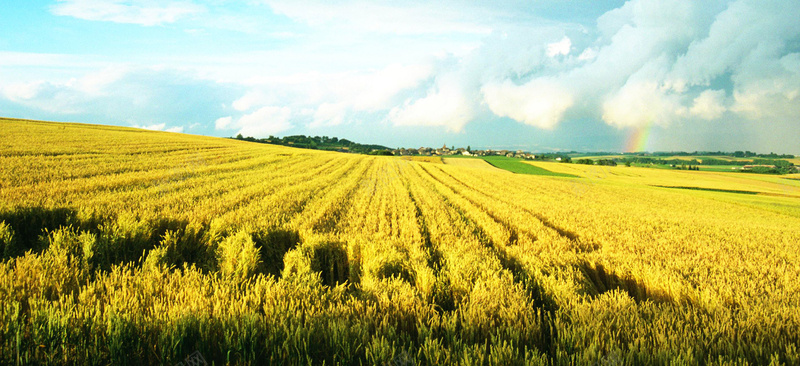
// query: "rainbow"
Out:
[637,140]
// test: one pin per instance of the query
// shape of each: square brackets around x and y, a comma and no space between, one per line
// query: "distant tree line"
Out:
[604,162]
[736,154]
[764,166]
[321,143]
[771,166]
[685,167]
[704,161]
[564,158]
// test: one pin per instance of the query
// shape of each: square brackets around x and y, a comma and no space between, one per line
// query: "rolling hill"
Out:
[125,246]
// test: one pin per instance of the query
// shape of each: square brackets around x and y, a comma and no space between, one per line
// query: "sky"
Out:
[548,75]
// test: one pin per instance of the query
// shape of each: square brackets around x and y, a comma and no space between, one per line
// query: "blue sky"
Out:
[531,75]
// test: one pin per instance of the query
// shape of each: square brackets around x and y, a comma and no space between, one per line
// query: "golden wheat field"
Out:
[124,246]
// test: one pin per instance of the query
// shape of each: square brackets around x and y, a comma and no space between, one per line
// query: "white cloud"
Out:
[419,64]
[124,96]
[648,62]
[223,122]
[561,47]
[709,104]
[446,105]
[768,86]
[23,91]
[251,99]
[160,127]
[641,103]
[588,54]
[660,63]
[539,103]
[329,114]
[47,96]
[263,122]
[735,33]
[72,90]
[154,127]
[142,12]
[333,96]
[377,90]
[759,102]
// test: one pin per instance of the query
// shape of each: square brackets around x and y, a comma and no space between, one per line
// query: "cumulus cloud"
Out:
[448,104]
[329,114]
[161,127]
[153,127]
[587,54]
[735,34]
[448,108]
[619,74]
[709,104]
[223,122]
[660,63]
[539,103]
[251,99]
[378,90]
[647,62]
[561,47]
[265,121]
[445,65]
[142,12]
[262,122]
[641,103]
[331,99]
[124,95]
[51,97]
[768,86]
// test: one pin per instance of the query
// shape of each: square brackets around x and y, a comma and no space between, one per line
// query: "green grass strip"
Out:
[517,166]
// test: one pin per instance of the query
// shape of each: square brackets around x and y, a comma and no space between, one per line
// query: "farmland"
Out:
[513,165]
[780,164]
[124,246]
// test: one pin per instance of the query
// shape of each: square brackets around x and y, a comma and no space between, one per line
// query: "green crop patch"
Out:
[519,167]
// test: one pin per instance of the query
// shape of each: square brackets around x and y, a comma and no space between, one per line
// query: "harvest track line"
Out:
[730,191]
[574,238]
[507,260]
[512,229]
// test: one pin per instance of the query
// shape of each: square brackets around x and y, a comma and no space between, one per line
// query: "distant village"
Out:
[449,151]
[759,163]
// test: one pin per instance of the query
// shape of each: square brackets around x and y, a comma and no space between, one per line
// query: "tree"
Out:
[468,149]
[239,137]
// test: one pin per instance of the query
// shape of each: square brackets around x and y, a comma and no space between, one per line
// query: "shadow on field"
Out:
[274,244]
[395,268]
[127,238]
[602,280]
[327,258]
[116,240]
[27,225]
